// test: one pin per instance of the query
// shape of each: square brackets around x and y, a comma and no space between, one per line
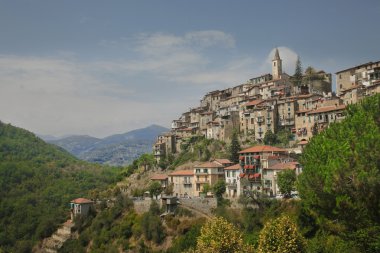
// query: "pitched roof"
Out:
[254,102]
[233,167]
[81,201]
[209,165]
[258,149]
[159,177]
[223,161]
[328,109]
[182,173]
[284,166]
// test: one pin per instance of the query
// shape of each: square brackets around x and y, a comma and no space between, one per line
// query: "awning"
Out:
[256,175]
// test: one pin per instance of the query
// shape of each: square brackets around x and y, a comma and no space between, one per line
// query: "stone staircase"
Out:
[53,243]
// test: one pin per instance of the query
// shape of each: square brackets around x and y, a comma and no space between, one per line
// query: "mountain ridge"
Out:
[117,149]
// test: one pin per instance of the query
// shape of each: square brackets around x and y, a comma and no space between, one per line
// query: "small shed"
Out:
[170,202]
[80,206]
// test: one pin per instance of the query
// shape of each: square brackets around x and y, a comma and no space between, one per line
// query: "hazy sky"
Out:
[105,67]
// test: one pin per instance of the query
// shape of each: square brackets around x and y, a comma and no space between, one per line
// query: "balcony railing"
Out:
[287,122]
[187,182]
[202,181]
[260,120]
[231,185]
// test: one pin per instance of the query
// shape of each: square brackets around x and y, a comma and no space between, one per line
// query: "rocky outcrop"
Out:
[53,243]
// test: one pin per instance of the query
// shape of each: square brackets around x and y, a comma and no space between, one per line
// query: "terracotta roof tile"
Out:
[328,109]
[284,166]
[209,165]
[182,173]
[223,161]
[81,201]
[233,167]
[260,149]
[254,102]
[159,177]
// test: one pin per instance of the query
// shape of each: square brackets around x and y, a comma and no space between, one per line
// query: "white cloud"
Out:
[182,59]
[63,95]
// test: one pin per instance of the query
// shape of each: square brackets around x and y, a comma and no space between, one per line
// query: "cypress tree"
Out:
[234,148]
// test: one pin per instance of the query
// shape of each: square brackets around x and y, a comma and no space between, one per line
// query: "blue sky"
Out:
[105,67]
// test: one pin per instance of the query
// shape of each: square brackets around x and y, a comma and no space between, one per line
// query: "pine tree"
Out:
[234,148]
[297,77]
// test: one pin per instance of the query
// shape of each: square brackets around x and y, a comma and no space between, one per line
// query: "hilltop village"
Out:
[301,105]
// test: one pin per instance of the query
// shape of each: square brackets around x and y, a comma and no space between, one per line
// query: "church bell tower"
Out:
[276,65]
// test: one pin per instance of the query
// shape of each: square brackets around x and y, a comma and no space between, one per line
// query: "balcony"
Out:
[185,182]
[202,181]
[287,122]
[232,185]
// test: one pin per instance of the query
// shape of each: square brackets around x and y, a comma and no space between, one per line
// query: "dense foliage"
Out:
[280,235]
[218,235]
[340,184]
[286,180]
[37,182]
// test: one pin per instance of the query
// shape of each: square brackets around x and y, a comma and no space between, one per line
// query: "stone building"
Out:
[183,183]
[253,162]
[80,206]
[365,74]
[207,173]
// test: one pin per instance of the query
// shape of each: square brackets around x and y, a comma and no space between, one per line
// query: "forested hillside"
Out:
[37,182]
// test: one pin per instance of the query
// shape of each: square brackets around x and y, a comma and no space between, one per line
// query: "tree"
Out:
[340,183]
[206,188]
[280,236]
[169,189]
[234,147]
[297,77]
[270,138]
[284,136]
[218,235]
[155,189]
[147,161]
[286,180]
[219,189]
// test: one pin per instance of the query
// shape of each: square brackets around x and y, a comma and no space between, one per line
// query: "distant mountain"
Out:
[76,144]
[118,149]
